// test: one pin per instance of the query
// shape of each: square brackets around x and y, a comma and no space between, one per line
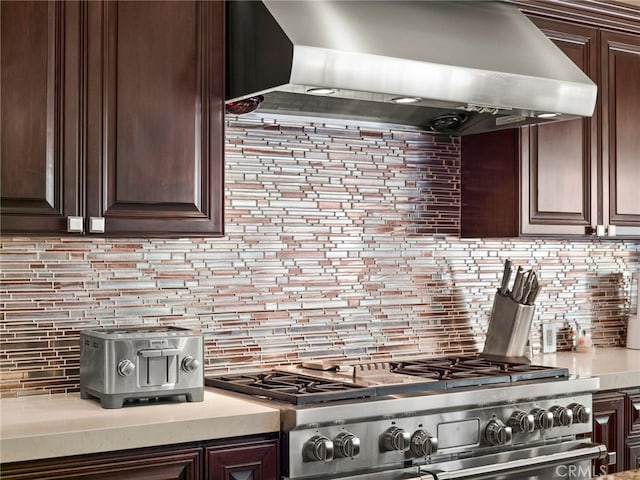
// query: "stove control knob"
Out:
[543,418]
[395,439]
[497,433]
[347,445]
[189,364]
[318,449]
[126,368]
[581,414]
[561,416]
[423,443]
[521,421]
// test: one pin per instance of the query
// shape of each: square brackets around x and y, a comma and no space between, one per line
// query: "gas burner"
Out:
[294,388]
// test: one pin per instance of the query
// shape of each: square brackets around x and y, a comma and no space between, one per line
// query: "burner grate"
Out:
[294,388]
[474,371]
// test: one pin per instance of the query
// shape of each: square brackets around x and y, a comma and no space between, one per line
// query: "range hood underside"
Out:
[470,66]
[438,119]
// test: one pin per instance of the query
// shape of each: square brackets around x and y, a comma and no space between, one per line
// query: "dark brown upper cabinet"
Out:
[576,177]
[40,148]
[620,65]
[125,132]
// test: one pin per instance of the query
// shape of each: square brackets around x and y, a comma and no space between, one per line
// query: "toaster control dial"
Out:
[125,368]
[189,364]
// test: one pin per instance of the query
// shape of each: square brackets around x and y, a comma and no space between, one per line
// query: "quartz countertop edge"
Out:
[49,426]
[617,368]
[628,475]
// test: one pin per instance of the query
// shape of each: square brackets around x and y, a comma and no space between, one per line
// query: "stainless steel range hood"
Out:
[455,67]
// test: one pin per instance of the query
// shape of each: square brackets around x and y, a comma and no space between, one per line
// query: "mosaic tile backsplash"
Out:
[342,241]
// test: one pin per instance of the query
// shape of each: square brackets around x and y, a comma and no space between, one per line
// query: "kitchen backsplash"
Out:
[342,240]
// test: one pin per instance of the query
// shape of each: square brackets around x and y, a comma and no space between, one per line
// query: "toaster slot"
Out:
[158,367]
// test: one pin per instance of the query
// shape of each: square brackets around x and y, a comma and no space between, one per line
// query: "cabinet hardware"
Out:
[96,224]
[75,224]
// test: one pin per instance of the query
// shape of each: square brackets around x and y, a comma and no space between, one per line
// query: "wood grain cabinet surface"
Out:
[154,464]
[245,458]
[608,429]
[616,424]
[115,114]
[250,461]
[570,177]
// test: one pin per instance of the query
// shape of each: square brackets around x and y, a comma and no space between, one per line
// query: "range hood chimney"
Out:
[452,67]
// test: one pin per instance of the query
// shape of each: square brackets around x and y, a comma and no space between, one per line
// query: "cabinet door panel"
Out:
[559,159]
[608,428]
[633,413]
[256,461]
[175,464]
[621,142]
[39,94]
[633,455]
[156,116]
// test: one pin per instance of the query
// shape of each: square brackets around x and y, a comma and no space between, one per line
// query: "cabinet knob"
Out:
[75,224]
[96,224]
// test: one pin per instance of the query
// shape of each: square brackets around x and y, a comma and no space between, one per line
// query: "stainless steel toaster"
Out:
[119,364]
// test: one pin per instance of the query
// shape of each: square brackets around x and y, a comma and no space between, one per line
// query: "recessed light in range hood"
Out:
[454,67]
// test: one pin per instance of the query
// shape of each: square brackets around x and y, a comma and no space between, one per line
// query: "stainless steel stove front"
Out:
[491,432]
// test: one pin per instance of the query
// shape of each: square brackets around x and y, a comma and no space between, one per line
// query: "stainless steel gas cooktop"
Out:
[455,417]
[322,383]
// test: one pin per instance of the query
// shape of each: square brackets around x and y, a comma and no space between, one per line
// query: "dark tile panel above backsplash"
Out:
[341,241]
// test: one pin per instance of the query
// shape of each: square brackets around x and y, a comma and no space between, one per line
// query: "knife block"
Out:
[508,332]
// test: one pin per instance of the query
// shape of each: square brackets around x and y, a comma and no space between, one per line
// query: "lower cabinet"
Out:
[616,424]
[249,461]
[633,455]
[246,458]
[608,429]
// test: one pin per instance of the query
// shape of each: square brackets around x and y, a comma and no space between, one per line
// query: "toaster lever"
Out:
[167,352]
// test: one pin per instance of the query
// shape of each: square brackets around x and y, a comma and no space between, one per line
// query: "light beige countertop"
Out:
[47,426]
[617,368]
[628,475]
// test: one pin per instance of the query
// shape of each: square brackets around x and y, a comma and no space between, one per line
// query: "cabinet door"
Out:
[183,464]
[620,55]
[39,115]
[608,428]
[250,461]
[155,116]
[559,159]
[632,412]
[633,454]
